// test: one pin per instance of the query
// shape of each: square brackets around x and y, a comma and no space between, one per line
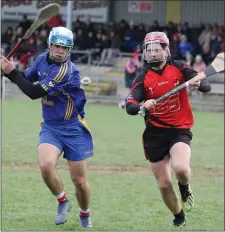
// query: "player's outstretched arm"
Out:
[189,73]
[33,91]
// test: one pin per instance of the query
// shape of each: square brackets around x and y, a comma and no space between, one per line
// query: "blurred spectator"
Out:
[55,21]
[31,45]
[28,53]
[43,35]
[19,32]
[123,25]
[171,30]
[99,27]
[23,61]
[6,40]
[39,47]
[79,43]
[36,34]
[98,48]
[206,53]
[105,46]
[106,40]
[132,67]
[187,31]
[22,49]
[185,49]
[215,45]
[179,30]
[199,65]
[174,47]
[88,26]
[89,40]
[77,25]
[221,31]
[129,38]
[25,23]
[139,50]
[155,26]
[110,28]
[221,41]
[140,34]
[205,35]
[215,29]
[113,50]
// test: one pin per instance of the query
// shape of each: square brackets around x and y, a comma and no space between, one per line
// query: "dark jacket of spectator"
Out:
[25,24]
[114,40]
[90,40]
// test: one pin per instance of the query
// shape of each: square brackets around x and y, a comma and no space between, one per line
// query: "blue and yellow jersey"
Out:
[65,98]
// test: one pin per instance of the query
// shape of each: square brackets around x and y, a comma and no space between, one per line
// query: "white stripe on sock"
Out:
[84,210]
[60,195]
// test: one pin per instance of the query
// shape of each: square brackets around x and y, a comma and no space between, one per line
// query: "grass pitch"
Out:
[124,192]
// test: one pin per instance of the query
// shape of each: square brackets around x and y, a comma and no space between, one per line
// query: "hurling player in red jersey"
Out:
[167,135]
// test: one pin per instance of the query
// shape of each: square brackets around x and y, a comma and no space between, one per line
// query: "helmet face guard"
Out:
[60,36]
[155,48]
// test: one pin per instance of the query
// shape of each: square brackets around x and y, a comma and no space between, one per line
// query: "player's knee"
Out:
[82,186]
[181,170]
[79,181]
[46,166]
[165,183]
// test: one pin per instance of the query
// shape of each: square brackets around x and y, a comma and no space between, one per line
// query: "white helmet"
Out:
[156,41]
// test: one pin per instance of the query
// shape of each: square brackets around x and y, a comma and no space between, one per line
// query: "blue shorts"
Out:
[72,138]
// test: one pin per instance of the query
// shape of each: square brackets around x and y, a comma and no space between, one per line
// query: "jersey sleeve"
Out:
[187,71]
[56,79]
[31,73]
[136,94]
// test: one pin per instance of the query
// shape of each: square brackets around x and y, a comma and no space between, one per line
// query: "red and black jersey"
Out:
[174,111]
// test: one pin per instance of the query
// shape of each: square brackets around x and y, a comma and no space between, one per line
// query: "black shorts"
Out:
[158,141]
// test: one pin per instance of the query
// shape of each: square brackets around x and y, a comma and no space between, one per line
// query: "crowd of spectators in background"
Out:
[195,45]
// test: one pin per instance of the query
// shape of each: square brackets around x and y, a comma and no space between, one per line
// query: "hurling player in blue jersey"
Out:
[55,79]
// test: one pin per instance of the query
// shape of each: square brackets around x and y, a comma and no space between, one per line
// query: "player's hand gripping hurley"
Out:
[44,15]
[216,66]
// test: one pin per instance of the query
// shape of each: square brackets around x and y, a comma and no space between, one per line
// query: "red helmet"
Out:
[156,36]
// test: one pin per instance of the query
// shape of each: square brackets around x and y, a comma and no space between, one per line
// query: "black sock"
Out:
[181,214]
[184,187]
